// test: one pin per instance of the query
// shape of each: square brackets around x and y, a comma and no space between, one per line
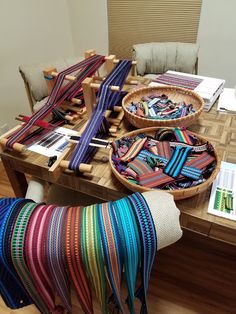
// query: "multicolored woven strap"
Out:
[175,164]
[130,244]
[18,255]
[106,99]
[11,288]
[35,254]
[74,258]
[92,254]
[59,93]
[56,255]
[148,244]
[112,248]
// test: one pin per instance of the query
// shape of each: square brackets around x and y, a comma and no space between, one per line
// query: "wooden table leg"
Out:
[17,179]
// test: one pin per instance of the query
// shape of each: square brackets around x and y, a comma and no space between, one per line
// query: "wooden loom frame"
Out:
[89,86]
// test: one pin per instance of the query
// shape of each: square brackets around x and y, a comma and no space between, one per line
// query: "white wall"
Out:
[217,39]
[89,25]
[30,31]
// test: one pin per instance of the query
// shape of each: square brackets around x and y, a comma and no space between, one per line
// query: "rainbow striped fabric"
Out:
[44,248]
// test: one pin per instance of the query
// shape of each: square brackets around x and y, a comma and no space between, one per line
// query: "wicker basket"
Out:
[176,94]
[178,194]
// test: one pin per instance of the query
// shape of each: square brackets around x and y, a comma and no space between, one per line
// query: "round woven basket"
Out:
[176,94]
[178,194]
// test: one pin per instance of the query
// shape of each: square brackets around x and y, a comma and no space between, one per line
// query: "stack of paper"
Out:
[207,87]
[227,101]
[222,200]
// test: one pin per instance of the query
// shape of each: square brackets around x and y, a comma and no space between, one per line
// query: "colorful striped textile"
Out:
[158,178]
[177,161]
[164,149]
[178,80]
[106,99]
[148,245]
[18,255]
[74,258]
[130,242]
[134,149]
[11,288]
[56,255]
[139,166]
[35,254]
[112,248]
[60,93]
[182,135]
[186,171]
[92,254]
[45,247]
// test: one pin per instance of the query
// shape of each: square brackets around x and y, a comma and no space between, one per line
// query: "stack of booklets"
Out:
[227,101]
[207,87]
[222,200]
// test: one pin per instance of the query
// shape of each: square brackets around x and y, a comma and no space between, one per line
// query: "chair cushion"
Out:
[34,74]
[156,58]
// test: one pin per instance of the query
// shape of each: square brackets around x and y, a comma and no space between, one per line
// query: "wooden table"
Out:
[219,128]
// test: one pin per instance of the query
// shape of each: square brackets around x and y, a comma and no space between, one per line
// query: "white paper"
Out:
[227,100]
[53,143]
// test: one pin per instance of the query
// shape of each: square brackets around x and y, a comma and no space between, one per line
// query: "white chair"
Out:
[35,84]
[158,57]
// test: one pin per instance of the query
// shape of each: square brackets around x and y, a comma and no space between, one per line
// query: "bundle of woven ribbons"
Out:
[44,248]
[173,159]
[160,107]
[61,91]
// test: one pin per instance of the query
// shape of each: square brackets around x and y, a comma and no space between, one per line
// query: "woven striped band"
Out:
[11,288]
[56,255]
[106,100]
[35,256]
[130,244]
[186,171]
[92,254]
[178,80]
[112,249]
[74,259]
[148,244]
[177,161]
[158,178]
[60,93]
[182,135]
[18,255]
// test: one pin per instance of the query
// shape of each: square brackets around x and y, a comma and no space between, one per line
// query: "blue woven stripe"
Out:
[130,244]
[177,161]
[187,171]
[11,287]
[148,243]
[107,99]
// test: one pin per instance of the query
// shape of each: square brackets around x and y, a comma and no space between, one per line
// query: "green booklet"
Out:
[222,200]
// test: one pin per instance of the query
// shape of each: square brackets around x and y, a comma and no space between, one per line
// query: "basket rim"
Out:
[175,193]
[166,87]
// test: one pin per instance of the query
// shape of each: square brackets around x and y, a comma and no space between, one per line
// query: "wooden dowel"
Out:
[67,77]
[82,168]
[76,101]
[113,129]
[117,108]
[113,88]
[17,146]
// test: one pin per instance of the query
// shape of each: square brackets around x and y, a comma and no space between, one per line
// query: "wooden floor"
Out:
[195,275]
